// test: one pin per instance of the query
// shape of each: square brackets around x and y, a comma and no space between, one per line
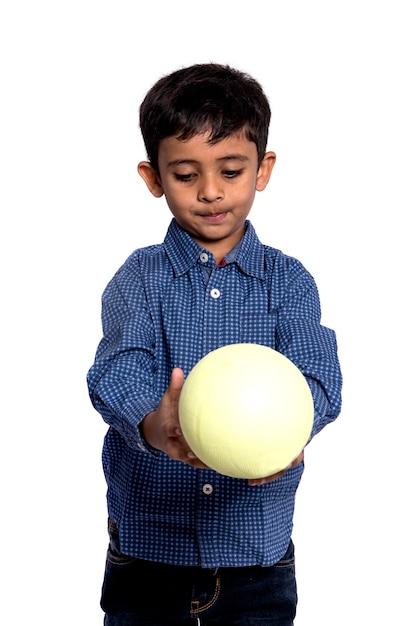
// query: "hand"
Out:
[161,428]
[269,479]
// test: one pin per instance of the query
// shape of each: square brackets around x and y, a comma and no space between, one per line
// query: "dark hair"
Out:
[204,97]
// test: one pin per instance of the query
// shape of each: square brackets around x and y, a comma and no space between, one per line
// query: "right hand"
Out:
[161,428]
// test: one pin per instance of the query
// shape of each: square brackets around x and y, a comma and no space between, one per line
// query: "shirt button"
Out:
[207,489]
[215,293]
[204,257]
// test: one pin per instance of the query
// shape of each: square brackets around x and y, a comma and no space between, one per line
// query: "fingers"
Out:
[178,450]
[268,479]
[298,459]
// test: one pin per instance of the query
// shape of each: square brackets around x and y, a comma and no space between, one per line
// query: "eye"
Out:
[232,173]
[184,178]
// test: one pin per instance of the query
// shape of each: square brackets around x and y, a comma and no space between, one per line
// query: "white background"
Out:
[342,81]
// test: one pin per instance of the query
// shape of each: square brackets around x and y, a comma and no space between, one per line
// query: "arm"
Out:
[311,346]
[121,381]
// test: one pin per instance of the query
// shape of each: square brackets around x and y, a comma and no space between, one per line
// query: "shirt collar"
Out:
[184,252]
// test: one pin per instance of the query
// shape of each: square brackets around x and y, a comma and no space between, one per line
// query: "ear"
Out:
[151,178]
[265,170]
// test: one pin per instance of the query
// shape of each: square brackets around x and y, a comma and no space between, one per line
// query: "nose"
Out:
[210,189]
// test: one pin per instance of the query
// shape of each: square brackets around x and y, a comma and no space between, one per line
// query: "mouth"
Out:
[213,218]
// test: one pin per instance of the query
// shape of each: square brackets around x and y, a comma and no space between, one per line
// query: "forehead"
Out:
[199,148]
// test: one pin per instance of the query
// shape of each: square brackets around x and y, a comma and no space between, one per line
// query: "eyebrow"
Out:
[228,157]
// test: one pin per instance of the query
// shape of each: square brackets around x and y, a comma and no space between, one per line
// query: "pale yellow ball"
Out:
[246,410]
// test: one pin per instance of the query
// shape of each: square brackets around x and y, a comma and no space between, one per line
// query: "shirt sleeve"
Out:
[311,346]
[120,382]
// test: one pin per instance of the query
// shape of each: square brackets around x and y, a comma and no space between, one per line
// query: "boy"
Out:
[188,545]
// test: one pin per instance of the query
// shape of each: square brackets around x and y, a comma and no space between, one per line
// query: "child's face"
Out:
[209,188]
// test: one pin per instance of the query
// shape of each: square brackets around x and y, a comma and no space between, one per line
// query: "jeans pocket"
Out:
[288,559]
[114,554]
[121,581]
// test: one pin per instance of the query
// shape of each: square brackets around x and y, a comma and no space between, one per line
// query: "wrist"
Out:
[146,431]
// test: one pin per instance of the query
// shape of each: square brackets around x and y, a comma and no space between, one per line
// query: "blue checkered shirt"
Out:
[168,306]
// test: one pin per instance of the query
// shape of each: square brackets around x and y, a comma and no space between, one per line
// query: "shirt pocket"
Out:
[259,328]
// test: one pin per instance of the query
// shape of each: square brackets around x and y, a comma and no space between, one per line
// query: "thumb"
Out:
[176,382]
[173,394]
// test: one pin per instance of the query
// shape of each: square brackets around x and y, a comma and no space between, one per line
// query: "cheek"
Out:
[246,198]
[178,202]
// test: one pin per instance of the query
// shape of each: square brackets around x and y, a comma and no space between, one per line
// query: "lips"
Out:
[213,217]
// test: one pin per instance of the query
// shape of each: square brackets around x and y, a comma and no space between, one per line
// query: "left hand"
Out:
[270,479]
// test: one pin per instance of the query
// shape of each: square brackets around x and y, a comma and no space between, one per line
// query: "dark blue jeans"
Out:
[142,593]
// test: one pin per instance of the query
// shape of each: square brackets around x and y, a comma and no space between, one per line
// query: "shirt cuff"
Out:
[134,416]
[143,445]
